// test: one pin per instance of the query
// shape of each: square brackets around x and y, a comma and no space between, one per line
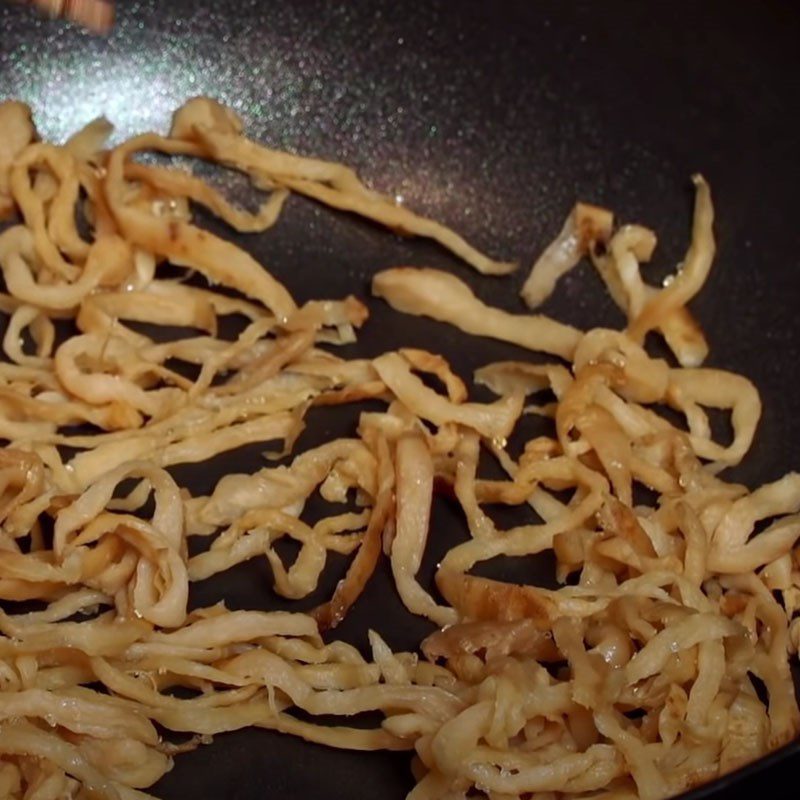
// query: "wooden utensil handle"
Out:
[96,15]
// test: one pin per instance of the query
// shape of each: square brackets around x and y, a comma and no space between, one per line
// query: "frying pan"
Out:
[493,117]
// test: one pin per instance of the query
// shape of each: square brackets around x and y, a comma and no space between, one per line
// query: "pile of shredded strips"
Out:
[662,663]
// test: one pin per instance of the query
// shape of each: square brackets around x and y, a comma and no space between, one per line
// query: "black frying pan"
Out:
[493,117]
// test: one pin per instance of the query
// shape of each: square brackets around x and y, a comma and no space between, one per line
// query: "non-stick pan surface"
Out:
[493,117]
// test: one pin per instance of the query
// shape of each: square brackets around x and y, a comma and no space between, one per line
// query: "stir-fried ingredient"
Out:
[661,662]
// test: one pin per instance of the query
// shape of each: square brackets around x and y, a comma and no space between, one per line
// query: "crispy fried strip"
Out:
[443,297]
[185,244]
[330,614]
[414,493]
[693,273]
